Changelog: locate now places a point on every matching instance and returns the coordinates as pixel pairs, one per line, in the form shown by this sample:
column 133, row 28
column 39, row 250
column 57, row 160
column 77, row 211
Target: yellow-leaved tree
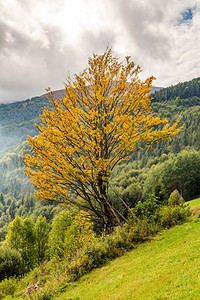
column 104, row 116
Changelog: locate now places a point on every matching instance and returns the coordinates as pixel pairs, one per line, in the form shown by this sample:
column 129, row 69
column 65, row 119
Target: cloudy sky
column 42, row 40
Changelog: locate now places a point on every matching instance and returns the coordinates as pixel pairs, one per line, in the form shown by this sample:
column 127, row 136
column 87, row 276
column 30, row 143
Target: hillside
column 165, row 267
column 145, row 183
column 134, row 179
column 17, row 120
column 182, row 90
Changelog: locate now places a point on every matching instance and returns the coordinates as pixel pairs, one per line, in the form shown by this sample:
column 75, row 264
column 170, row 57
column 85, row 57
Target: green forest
column 155, row 183
column 173, row 164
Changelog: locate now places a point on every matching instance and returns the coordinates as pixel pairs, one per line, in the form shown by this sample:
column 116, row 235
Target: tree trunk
column 109, row 216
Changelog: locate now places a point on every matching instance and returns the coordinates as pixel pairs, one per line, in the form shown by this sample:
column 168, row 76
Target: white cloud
column 40, row 41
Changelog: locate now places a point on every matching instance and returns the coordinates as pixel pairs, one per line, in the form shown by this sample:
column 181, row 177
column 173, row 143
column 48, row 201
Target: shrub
column 175, row 199
column 7, row 287
column 79, row 234
column 69, row 234
column 172, row 215
column 140, row 230
column 95, row 255
column 105, row 248
column 98, row 251
column 147, row 208
column 11, row 263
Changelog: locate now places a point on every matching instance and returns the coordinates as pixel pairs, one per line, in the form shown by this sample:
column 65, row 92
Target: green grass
column 194, row 203
column 168, row 267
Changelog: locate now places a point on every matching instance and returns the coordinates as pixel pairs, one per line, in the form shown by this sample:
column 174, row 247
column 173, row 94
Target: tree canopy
column 104, row 116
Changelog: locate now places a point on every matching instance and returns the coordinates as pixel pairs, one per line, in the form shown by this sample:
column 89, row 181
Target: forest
column 133, row 179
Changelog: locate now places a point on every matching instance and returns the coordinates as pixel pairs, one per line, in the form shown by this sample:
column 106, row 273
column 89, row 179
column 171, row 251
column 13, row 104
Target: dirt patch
column 196, row 211
column 31, row 289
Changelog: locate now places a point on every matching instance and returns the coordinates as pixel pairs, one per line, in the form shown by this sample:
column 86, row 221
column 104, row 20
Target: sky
column 41, row 41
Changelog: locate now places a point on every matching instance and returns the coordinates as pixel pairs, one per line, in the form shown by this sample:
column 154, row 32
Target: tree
column 11, row 263
column 103, row 118
column 57, row 235
column 181, row 172
column 2, row 199
column 42, row 229
column 69, row 233
column 79, row 234
column 29, row 244
column 175, row 198
column 12, row 209
column 21, row 237
column 15, row 234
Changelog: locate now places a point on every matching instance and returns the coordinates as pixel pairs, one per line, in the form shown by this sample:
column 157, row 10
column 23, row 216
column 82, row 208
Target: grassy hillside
column 165, row 268
column 194, row 203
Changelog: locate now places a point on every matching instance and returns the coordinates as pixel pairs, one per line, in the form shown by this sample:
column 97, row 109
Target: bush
column 7, row 287
column 95, row 255
column 103, row 249
column 69, row 234
column 175, row 199
column 11, row 263
column 147, row 208
column 172, row 215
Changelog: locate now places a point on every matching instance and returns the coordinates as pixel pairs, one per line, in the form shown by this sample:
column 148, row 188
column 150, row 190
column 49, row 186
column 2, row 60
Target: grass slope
column 194, row 203
column 168, row 267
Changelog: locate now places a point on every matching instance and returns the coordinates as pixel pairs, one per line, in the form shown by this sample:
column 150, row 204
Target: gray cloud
column 29, row 65
column 142, row 22
column 37, row 48
column 97, row 42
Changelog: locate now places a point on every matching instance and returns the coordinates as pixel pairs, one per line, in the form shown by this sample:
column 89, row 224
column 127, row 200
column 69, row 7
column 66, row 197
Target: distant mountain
column 155, row 89
column 17, row 120
column 57, row 94
column 24, row 113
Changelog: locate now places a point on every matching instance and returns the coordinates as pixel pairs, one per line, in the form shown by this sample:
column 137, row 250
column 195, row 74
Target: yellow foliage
column 103, row 118
column 80, row 232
